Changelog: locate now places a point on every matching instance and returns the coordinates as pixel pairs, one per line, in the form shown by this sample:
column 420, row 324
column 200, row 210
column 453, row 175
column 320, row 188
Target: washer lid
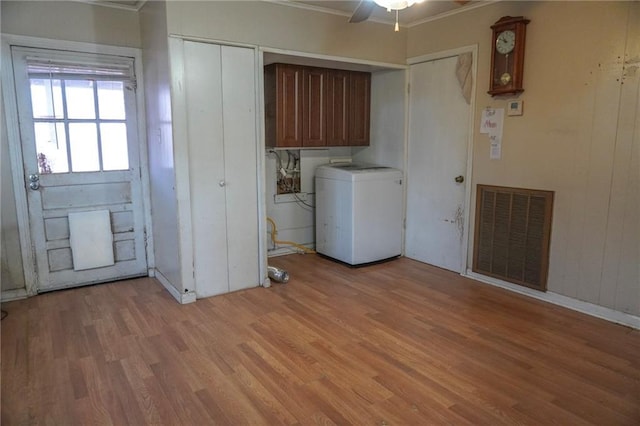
column 353, row 171
column 357, row 167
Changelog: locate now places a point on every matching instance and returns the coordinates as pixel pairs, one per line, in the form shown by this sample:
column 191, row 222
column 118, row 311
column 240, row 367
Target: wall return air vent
column 512, row 234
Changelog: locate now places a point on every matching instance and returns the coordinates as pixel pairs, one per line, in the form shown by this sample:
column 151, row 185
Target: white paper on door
column 91, row 239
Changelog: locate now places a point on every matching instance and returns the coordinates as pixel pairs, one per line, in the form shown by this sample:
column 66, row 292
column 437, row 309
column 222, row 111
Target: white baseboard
column 564, row 301
column 266, row 283
column 182, row 298
column 17, row 294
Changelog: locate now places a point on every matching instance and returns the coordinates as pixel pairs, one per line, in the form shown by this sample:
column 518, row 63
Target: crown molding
column 114, row 5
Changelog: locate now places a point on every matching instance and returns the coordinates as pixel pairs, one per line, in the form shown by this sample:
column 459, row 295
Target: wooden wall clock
column 507, row 55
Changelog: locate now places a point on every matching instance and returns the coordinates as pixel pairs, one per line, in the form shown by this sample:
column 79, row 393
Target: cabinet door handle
column 459, row 179
column 222, row 183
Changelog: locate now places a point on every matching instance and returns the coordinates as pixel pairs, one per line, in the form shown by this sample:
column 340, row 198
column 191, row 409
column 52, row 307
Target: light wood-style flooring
column 395, row 343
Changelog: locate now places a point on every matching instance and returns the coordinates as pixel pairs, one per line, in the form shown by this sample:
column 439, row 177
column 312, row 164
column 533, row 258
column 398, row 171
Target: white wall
column 576, row 136
column 388, row 102
column 160, row 142
column 12, row 275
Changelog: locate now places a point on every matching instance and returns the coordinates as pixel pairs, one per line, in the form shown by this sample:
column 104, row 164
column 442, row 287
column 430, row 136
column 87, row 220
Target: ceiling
column 416, row 14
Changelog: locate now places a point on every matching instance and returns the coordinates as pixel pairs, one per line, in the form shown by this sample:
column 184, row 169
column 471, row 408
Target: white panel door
column 79, row 140
column 221, row 124
column 437, row 155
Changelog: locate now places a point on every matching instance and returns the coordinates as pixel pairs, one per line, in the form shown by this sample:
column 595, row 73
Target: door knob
column 222, row 183
column 459, row 179
column 34, row 181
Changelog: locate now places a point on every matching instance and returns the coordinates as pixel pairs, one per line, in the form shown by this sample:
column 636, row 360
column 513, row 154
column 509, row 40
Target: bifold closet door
column 241, row 166
column 221, row 124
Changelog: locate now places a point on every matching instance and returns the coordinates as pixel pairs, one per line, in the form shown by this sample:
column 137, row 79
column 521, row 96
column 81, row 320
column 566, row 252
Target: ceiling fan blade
column 363, row 11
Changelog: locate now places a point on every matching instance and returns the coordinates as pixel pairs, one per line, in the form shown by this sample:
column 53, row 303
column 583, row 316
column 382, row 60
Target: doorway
column 78, row 138
column 437, row 166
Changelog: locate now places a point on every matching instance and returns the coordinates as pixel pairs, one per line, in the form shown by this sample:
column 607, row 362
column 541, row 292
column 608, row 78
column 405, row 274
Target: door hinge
column 408, row 88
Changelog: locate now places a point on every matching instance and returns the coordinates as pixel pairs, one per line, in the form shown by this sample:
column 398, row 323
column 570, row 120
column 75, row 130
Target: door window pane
column 51, row 148
column 46, row 98
column 111, row 100
column 83, row 141
column 80, row 101
column 115, row 155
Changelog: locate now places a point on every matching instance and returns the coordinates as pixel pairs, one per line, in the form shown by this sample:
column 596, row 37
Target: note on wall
column 495, row 147
column 491, row 124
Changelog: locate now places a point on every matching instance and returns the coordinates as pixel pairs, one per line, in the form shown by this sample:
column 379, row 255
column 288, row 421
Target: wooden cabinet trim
column 315, row 107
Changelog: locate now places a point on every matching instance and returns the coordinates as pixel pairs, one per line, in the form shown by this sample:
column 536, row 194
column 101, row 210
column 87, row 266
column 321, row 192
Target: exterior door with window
column 79, row 139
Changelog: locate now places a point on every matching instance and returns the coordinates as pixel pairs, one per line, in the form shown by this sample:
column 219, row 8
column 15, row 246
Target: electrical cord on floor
column 4, row 315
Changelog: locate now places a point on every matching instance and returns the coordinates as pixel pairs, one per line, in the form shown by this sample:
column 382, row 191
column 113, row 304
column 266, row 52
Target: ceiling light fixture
column 396, row 5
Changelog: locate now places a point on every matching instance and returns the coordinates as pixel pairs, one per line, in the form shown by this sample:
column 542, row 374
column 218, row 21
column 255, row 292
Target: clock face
column 505, row 42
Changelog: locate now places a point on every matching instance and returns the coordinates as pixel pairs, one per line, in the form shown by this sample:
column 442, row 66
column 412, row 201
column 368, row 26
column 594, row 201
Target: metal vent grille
column 512, row 233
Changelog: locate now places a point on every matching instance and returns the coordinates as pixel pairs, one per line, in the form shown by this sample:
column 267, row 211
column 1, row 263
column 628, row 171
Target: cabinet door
column 359, row 108
column 314, row 95
column 337, row 108
column 289, row 105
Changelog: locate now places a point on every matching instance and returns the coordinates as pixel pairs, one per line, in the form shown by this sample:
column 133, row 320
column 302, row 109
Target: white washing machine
column 358, row 212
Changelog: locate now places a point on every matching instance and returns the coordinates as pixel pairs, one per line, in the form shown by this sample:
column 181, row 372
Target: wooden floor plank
column 394, row 343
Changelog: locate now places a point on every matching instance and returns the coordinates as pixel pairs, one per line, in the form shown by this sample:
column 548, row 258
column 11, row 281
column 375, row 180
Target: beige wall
column 283, row 27
column 575, row 137
column 73, row 21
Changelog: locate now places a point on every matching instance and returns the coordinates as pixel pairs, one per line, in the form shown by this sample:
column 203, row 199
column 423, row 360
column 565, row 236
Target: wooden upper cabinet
column 314, row 95
column 359, row 108
column 283, row 105
column 338, row 108
column 314, row 107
